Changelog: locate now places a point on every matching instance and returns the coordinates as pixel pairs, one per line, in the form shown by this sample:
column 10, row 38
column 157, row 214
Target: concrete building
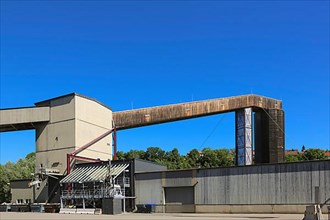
column 21, row 193
column 74, row 120
column 63, row 124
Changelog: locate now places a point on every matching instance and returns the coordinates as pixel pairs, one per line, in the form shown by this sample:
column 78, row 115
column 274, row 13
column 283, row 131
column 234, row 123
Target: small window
column 19, row 201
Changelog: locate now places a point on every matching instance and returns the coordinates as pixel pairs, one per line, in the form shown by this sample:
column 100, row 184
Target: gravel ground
column 153, row 216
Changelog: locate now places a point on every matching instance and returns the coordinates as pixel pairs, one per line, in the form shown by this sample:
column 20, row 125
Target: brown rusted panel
column 269, row 136
column 168, row 113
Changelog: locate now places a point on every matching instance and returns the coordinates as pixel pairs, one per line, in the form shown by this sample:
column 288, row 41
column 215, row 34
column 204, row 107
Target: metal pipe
column 114, row 136
column 68, row 164
column 68, row 161
column 74, row 153
column 124, row 200
column 92, row 142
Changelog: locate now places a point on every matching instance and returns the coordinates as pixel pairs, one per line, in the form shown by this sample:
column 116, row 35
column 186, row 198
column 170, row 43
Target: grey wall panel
column 147, row 166
column 148, row 188
column 290, row 183
column 176, row 179
column 325, row 178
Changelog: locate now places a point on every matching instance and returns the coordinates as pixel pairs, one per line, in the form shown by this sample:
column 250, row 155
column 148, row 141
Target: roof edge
column 73, row 94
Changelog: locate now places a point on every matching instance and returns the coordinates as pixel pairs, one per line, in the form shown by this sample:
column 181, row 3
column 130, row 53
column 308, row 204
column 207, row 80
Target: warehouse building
column 269, row 188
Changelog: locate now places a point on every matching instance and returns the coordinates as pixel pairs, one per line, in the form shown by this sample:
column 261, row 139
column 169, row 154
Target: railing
column 89, row 193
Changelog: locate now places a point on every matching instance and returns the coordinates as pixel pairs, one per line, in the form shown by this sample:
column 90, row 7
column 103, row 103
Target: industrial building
column 76, row 162
column 267, row 188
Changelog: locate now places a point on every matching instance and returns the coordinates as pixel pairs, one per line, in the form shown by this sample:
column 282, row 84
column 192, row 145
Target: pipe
column 114, row 143
column 74, row 153
column 92, row 142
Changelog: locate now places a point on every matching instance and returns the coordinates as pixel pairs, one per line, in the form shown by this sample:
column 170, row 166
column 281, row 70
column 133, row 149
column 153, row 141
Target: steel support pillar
column 244, row 137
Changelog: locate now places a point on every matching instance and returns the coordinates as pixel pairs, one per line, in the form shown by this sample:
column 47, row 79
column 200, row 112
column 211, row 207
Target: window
column 19, row 201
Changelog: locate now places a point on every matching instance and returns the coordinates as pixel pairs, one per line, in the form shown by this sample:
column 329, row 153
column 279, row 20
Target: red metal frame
column 114, row 136
column 74, row 153
column 70, row 156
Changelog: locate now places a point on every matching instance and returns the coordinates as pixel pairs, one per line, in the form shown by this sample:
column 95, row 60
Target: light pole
column 124, row 199
column 83, row 194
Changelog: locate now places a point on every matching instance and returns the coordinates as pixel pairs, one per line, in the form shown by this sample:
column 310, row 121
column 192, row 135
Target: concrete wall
column 20, row 191
column 22, row 118
column 57, row 137
column 74, row 121
column 93, row 120
column 24, row 115
column 258, row 188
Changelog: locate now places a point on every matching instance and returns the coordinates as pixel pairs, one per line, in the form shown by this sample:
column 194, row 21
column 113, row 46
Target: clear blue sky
column 133, row 54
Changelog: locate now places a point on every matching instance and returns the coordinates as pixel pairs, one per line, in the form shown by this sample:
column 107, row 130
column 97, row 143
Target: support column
column 269, row 136
column 244, row 137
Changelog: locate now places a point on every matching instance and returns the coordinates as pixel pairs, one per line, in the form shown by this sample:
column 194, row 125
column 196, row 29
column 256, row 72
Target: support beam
column 243, row 137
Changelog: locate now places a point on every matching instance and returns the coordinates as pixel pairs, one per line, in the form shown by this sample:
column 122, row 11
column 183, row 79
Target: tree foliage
column 313, row 154
column 306, row 155
column 174, row 160
column 22, row 169
column 293, row 158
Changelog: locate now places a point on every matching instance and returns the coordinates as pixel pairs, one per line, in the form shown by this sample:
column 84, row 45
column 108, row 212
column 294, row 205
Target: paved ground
column 154, row 216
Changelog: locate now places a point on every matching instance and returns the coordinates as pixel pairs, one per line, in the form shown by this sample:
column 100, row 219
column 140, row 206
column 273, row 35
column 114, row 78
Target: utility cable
column 275, row 122
column 285, row 135
column 213, row 130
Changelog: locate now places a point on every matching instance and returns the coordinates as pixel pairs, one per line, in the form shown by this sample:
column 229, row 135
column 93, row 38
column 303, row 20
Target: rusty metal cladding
column 276, row 135
column 168, row 113
column 269, row 136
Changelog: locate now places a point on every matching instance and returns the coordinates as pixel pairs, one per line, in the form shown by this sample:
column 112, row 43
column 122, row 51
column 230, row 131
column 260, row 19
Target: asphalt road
column 153, row 216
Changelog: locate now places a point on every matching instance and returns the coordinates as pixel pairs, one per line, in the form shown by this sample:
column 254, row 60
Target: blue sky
column 133, row 54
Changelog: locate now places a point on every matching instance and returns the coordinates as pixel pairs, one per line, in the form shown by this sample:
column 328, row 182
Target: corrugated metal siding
column 176, row 179
column 267, row 184
column 264, row 184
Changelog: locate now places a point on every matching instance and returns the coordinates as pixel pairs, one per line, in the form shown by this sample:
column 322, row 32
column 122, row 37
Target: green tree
column 120, row 155
column 132, row 154
column 216, row 158
column 4, row 184
column 313, row 154
column 293, row 158
column 22, row 169
column 194, row 158
column 173, row 160
column 154, row 154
